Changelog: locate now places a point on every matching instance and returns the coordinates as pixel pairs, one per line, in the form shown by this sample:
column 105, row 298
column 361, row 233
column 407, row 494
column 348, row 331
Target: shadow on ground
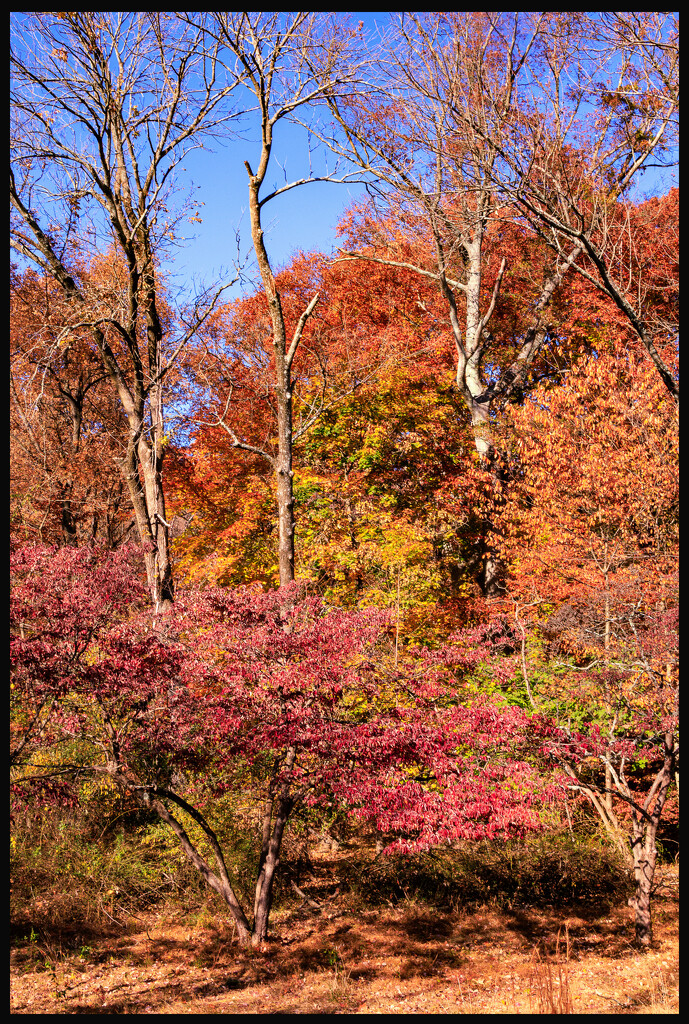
column 328, row 962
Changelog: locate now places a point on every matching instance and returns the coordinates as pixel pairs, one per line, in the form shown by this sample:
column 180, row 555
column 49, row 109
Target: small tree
column 289, row 62
column 248, row 680
column 639, row 754
column 592, row 536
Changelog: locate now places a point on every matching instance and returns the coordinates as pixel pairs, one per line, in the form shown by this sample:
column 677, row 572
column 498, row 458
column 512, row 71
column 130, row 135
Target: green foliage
column 107, row 860
column 237, row 832
column 67, row 869
column 376, row 501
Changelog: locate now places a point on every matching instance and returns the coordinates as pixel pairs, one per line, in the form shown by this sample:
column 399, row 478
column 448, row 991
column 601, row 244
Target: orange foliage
column 596, row 509
column 66, row 429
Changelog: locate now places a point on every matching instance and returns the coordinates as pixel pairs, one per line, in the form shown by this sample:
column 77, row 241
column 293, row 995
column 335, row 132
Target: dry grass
column 550, row 981
column 405, row 959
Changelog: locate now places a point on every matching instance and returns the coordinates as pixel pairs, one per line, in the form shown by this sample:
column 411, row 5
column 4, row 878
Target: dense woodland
column 388, row 544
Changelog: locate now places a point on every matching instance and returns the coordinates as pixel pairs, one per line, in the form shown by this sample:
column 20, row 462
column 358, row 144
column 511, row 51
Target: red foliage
column 241, row 676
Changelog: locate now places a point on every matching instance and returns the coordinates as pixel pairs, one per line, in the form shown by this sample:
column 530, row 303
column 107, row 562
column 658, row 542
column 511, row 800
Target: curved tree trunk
column 277, row 811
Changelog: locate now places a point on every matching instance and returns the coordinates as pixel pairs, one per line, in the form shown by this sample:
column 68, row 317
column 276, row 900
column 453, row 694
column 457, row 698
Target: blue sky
column 305, row 218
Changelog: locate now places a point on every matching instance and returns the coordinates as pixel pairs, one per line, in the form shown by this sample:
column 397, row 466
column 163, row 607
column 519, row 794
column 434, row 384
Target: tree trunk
column 160, row 575
column 270, row 851
column 220, row 882
column 153, row 458
column 645, row 828
column 69, row 527
column 490, row 565
column 285, row 475
column 644, row 869
column 147, row 498
column 284, row 357
column 470, row 347
column 264, row 886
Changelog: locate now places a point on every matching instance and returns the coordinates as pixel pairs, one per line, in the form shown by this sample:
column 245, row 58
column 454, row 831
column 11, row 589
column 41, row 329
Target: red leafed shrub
column 243, row 677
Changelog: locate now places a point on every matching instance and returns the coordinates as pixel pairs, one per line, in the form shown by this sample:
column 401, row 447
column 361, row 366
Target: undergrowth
column 73, row 870
column 90, row 867
column 550, row 870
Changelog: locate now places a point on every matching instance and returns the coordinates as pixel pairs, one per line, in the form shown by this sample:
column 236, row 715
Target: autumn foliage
column 285, row 705
column 66, row 430
column 279, row 699
column 395, row 532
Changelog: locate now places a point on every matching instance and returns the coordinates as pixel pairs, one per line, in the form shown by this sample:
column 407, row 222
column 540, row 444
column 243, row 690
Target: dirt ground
column 405, row 959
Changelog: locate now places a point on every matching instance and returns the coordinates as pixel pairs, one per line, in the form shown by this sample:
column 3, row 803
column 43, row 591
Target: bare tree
column 290, row 63
column 417, row 135
column 105, row 105
column 571, row 173
column 459, row 114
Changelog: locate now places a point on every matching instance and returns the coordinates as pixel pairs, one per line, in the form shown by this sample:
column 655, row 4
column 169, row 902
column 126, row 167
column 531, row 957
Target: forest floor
column 407, row 958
